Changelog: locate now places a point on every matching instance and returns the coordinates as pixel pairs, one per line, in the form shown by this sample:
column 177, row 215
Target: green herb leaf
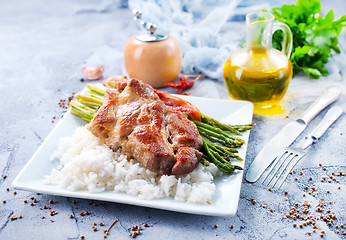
column 314, row 37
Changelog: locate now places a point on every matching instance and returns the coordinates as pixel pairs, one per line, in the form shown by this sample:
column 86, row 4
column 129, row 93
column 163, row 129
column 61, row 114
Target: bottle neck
column 259, row 35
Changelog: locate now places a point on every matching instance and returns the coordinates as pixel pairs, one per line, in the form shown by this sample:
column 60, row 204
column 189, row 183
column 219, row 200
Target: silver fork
column 287, row 160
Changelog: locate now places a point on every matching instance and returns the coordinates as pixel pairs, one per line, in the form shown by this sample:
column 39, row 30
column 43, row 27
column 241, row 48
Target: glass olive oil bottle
column 259, row 73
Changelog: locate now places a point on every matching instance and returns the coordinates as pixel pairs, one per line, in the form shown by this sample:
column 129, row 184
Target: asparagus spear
column 236, row 129
column 224, row 166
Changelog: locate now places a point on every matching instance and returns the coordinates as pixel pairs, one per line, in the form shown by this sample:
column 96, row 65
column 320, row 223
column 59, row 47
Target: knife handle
column 331, row 116
column 330, row 95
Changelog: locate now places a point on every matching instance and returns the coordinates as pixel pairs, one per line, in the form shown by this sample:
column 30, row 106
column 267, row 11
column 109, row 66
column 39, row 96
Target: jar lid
column 150, row 35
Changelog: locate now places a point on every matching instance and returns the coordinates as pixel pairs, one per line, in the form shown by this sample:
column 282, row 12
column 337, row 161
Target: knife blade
column 288, row 134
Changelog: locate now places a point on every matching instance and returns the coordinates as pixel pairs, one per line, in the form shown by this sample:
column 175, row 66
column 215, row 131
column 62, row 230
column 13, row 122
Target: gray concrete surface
column 44, row 45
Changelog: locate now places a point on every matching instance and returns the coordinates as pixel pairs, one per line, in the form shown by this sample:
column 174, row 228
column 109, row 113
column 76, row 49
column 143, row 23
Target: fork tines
column 281, row 167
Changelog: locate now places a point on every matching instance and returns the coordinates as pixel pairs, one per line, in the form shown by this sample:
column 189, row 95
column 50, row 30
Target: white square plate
column 223, row 203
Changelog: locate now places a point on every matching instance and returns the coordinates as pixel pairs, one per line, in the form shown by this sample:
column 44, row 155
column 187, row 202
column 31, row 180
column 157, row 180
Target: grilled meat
column 136, row 121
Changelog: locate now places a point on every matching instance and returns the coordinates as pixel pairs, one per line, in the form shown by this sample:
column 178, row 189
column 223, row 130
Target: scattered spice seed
column 71, row 216
column 5, row 176
column 324, row 168
column 13, row 218
column 145, row 225
column 15, row 193
column 253, row 201
column 269, row 189
column 50, row 201
column 52, row 212
column 4, row 201
column 74, row 201
column 232, row 226
column 301, row 173
column 134, row 234
column 101, row 224
column 134, row 228
column 7, row 189
column 82, row 237
column 42, row 217
column 216, row 226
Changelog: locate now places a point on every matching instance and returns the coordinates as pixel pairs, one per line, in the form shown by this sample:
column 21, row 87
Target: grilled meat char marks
column 139, row 123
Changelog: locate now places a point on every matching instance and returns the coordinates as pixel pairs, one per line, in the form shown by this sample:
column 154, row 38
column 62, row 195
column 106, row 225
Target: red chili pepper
column 181, row 85
column 186, row 85
column 178, row 84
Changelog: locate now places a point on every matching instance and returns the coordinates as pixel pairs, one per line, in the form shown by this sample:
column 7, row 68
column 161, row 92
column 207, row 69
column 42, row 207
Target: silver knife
column 288, row 134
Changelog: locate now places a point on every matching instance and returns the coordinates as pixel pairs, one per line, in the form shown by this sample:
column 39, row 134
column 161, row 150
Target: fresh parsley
column 314, row 37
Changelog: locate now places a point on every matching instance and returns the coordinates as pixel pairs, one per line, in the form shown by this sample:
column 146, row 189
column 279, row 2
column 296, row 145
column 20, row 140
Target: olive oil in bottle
column 259, row 73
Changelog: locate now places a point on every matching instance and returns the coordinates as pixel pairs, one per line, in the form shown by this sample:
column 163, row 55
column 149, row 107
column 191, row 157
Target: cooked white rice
column 88, row 164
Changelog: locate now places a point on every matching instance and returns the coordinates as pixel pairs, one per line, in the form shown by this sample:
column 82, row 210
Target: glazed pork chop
column 136, row 121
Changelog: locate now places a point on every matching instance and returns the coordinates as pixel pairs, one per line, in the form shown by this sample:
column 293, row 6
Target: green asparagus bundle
column 219, row 145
